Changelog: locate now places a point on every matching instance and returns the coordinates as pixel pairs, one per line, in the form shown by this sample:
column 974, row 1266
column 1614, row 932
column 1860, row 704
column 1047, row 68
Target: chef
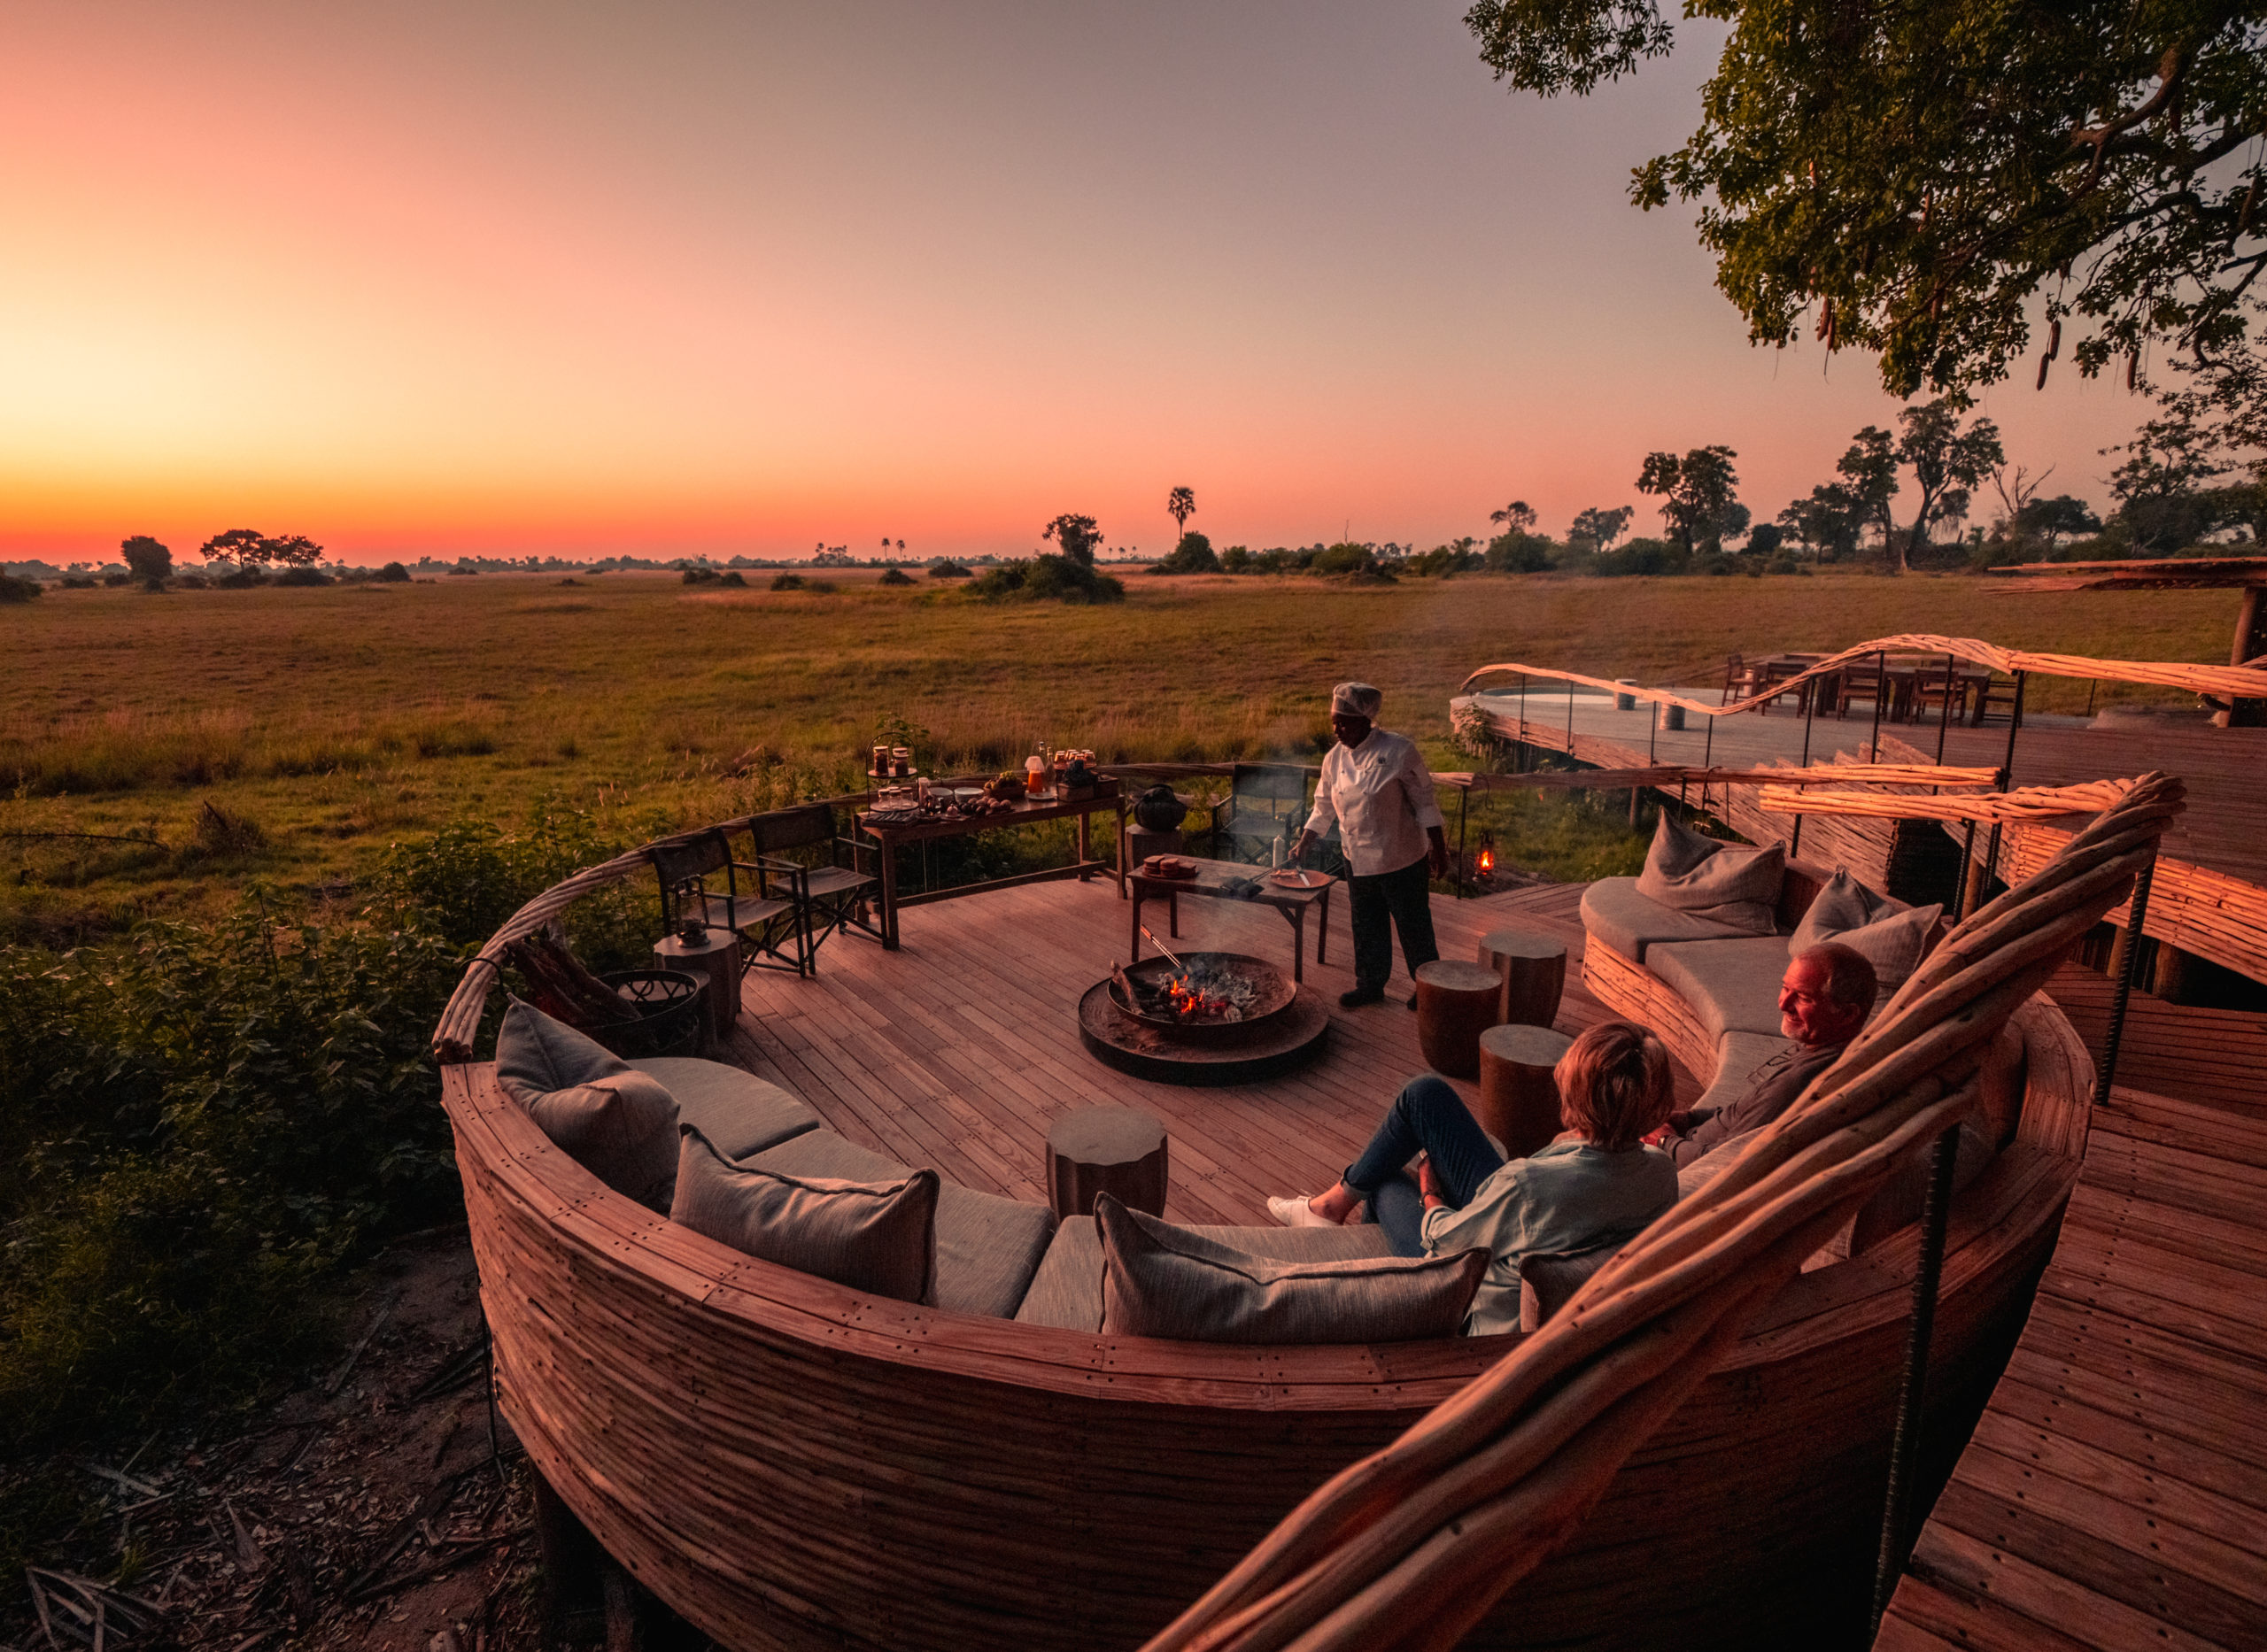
column 1375, row 790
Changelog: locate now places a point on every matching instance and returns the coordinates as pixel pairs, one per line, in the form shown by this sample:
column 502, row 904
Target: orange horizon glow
column 503, row 280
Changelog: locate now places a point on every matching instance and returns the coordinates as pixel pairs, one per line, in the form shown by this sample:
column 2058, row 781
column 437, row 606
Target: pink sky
column 723, row 278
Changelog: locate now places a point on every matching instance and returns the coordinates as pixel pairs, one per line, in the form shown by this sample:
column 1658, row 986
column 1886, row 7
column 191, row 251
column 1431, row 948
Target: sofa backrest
column 1798, row 889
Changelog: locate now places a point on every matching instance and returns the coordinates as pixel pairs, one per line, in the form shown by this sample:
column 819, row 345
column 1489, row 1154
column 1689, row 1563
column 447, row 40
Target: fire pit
column 1213, row 1018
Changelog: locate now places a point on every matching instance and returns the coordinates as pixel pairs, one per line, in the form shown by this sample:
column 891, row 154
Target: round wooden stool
column 1456, row 1003
column 1120, row 1150
column 1519, row 1097
column 716, row 959
column 1533, row 969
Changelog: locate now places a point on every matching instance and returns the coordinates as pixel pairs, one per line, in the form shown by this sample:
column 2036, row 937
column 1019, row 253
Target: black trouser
column 1402, row 899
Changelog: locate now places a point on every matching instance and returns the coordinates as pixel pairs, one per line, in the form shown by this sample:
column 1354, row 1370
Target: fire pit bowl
column 1255, row 990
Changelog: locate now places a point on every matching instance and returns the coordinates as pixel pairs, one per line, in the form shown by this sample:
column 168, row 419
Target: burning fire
column 1194, row 1003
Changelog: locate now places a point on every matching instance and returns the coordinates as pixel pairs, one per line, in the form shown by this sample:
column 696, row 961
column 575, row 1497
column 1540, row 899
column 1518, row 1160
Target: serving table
column 888, row 834
column 1211, row 880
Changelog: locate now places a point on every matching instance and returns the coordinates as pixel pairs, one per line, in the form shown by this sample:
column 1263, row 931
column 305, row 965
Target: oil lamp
column 1483, row 866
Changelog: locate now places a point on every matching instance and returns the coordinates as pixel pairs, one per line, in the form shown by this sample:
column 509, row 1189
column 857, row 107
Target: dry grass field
column 335, row 721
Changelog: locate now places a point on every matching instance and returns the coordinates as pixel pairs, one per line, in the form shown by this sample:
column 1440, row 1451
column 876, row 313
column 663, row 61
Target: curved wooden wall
column 789, row 1463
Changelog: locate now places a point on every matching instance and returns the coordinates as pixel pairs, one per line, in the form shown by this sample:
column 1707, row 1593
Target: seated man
column 1825, row 997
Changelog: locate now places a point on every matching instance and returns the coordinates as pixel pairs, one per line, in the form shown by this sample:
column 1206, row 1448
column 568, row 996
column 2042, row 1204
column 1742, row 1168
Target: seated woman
column 1598, row 1181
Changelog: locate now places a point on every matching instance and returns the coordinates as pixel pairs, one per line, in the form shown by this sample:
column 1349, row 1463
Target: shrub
column 241, row 579
column 115, row 579
column 1518, row 552
column 15, row 589
column 467, row 878
column 892, row 576
column 786, row 581
column 76, row 582
column 949, row 570
column 151, row 585
column 1048, row 579
column 1236, row 559
column 146, row 559
column 191, row 582
column 733, row 577
column 391, row 574
column 700, row 576
column 304, row 576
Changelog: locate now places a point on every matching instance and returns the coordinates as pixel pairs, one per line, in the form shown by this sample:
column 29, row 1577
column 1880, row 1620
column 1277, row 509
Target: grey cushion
column 1738, row 1056
column 1887, row 933
column 988, row 1246
column 1549, row 1279
column 737, row 1112
column 1615, row 913
column 1066, row 1293
column 1730, row 884
column 617, row 1124
column 876, row 1236
column 1159, row 1280
column 1732, row 986
column 535, row 1052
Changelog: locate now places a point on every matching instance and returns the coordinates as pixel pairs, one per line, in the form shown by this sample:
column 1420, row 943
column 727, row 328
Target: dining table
column 892, row 830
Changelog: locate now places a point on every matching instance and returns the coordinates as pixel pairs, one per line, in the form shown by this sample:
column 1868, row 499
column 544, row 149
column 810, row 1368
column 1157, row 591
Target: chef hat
column 1356, row 699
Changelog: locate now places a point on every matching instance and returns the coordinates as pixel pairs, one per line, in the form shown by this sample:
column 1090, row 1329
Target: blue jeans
column 1427, row 1116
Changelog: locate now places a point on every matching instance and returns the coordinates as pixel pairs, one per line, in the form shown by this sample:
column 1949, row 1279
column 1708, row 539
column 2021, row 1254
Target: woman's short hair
column 1614, row 1085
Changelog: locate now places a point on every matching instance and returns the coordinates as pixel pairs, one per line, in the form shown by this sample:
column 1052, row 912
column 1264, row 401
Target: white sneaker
column 1296, row 1212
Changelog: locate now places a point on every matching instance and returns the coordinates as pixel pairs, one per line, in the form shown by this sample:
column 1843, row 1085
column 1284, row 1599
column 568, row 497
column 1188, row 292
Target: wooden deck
column 959, row 1050
column 2115, row 1495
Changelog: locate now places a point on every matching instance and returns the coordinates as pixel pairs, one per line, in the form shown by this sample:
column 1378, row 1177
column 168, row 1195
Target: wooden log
column 1533, row 969
column 1116, row 1150
column 1518, row 1090
column 1456, row 1002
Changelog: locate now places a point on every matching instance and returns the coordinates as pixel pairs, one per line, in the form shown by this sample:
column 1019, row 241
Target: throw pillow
column 1727, row 884
column 876, row 1237
column 1159, row 1280
column 1889, row 934
column 538, row 1051
column 616, row 1123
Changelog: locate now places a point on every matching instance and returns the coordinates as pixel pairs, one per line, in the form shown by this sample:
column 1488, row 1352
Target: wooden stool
column 1456, row 1003
column 1119, row 1150
column 1519, row 1097
column 715, row 958
column 1533, row 969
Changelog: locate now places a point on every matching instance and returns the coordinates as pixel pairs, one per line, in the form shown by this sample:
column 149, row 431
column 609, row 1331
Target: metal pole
column 1708, row 761
column 2015, row 722
column 2128, row 960
column 1912, row 1397
column 1810, row 712
column 1881, row 687
column 1966, row 871
column 1570, row 717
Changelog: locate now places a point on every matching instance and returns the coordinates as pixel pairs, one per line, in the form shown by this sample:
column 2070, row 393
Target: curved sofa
column 789, row 1463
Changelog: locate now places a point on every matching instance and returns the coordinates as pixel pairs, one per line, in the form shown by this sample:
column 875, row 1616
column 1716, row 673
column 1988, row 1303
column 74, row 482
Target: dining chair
column 768, row 918
column 831, row 895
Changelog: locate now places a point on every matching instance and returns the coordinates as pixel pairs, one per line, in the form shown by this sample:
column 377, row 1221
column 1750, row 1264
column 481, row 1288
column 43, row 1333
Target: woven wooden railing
column 1411, row 1547
column 2225, row 682
column 2024, row 803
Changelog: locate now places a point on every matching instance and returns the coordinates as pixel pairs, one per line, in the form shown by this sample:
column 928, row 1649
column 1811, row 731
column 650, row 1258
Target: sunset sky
column 738, row 278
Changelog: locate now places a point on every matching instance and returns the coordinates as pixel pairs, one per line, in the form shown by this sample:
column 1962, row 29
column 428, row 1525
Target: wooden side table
column 1533, row 969
column 1456, row 1003
column 1117, row 1150
column 717, row 960
column 1519, row 1091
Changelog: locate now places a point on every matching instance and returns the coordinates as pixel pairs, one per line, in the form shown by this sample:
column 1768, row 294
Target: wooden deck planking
column 2114, row 1493
column 960, row 1049
column 2216, row 1055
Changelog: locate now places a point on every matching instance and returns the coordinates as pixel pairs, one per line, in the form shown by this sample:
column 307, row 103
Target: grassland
column 336, row 721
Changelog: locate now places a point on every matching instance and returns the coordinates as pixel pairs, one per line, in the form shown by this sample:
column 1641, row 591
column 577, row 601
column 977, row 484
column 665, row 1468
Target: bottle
column 1278, row 852
column 1035, row 773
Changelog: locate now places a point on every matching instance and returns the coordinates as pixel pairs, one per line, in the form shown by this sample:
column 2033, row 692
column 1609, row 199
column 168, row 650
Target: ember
column 1213, row 989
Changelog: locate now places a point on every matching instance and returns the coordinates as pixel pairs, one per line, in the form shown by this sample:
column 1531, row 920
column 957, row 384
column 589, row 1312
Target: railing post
column 2129, row 960
column 1881, row 687
column 1463, row 867
column 1810, row 713
column 1944, row 719
column 1911, row 1396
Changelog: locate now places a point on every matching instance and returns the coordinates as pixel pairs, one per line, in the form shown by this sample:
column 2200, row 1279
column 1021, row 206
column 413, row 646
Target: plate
column 1294, row 878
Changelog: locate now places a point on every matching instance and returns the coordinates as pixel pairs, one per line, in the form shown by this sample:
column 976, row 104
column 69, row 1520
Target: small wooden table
column 929, row 829
column 716, row 959
column 1211, row 878
column 1519, row 1091
column 1533, row 969
column 1116, row 1150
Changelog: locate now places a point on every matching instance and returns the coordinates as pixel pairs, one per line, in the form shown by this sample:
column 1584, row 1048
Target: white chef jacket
column 1379, row 795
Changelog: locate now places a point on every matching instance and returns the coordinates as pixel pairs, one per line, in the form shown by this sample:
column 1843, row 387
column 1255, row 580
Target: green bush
column 391, row 574
column 15, row 589
column 1046, row 579
column 894, row 578
column 786, row 581
column 1192, row 555
column 304, row 576
column 700, row 576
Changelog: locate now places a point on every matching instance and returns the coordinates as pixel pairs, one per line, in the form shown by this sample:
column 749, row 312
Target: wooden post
column 1810, row 712
column 1881, row 687
column 2250, row 642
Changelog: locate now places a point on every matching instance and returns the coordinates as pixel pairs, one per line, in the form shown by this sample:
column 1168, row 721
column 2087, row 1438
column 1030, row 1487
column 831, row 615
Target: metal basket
column 664, row 1016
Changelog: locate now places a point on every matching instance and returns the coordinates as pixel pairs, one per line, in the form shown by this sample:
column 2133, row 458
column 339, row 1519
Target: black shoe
column 1361, row 995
